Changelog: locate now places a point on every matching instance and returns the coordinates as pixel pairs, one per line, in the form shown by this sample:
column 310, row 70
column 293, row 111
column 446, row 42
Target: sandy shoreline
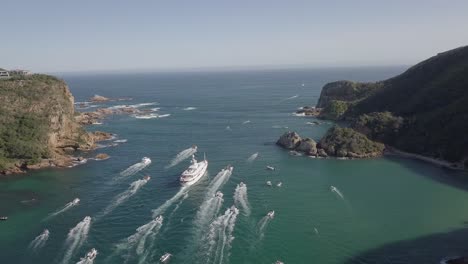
column 443, row 163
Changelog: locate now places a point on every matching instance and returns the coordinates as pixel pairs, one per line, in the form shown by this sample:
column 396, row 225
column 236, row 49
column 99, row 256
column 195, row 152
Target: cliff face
column 37, row 123
column 423, row 110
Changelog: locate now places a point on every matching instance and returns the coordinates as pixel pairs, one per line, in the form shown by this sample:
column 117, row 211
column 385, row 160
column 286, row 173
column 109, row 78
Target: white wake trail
column 161, row 209
column 137, row 244
column 253, row 157
column 220, row 236
column 183, row 155
column 76, row 238
column 69, row 205
column 86, row 259
column 240, row 198
column 119, row 199
column 290, row 98
column 39, row 241
column 261, row 226
column 134, row 168
column 335, row 190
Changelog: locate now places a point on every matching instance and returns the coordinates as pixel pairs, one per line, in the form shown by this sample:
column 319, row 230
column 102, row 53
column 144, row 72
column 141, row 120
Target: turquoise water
column 392, row 210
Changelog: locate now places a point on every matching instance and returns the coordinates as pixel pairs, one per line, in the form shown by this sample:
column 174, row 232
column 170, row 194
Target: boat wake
column 139, row 244
column 219, row 237
column 39, row 241
column 290, row 98
column 189, row 108
column 76, row 238
column 262, row 225
column 240, row 198
column 120, row 141
column 135, row 168
column 335, row 190
column 246, row 122
column 69, row 205
column 119, row 199
column 161, row 209
column 183, row 155
column 252, row 157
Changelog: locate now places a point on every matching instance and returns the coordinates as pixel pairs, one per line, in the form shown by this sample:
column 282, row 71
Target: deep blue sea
column 386, row 210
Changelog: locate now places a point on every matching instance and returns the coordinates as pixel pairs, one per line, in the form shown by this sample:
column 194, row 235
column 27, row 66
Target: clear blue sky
column 164, row 35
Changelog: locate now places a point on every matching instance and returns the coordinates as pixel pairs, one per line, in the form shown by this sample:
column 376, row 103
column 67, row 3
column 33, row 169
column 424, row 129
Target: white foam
column 246, row 122
column 335, row 190
column 189, row 108
column 120, row 141
column 76, row 238
column 241, row 200
column 86, row 260
column 161, row 209
column 299, row 114
column 292, row 97
column 252, row 157
column 134, row 168
column 63, row 209
column 181, row 156
column 261, row 226
column 39, row 241
column 124, row 196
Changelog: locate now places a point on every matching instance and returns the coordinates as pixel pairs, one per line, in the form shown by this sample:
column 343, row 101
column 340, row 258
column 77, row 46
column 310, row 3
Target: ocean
column 384, row 210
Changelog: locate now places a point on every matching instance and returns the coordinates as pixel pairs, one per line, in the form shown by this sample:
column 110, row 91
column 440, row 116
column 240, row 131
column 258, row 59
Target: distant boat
column 279, row 184
column 270, row 168
column 164, row 258
column 3, row 218
column 271, row 214
column 268, row 183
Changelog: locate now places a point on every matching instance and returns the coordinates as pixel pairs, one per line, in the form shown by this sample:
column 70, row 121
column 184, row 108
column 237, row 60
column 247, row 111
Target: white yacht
column 146, row 160
column 219, row 194
column 270, row 168
column 164, row 258
column 194, row 172
column 268, row 183
column 91, row 255
column 271, row 214
column 76, row 201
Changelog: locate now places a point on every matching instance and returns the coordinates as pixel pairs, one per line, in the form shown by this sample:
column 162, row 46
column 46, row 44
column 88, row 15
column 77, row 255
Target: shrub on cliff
column 346, row 142
column 380, row 126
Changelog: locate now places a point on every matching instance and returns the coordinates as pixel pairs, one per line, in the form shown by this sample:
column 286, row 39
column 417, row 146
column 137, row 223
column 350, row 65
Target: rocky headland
column 38, row 125
column 421, row 113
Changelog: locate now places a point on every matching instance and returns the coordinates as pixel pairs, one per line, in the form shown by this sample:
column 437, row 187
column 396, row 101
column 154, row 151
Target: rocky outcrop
column 308, row 146
column 99, row 98
column 289, row 140
column 37, row 124
column 338, row 142
column 309, row 111
column 102, row 156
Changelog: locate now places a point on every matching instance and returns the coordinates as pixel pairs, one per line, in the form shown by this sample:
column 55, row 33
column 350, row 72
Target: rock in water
column 102, row 156
column 99, row 98
column 289, row 140
column 308, row 146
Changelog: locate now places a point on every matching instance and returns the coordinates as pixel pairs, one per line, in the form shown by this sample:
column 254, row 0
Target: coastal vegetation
column 423, row 110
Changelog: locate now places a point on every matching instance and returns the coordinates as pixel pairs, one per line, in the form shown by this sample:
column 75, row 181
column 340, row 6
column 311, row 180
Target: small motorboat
column 3, row 218
column 234, row 210
column 76, row 201
column 147, row 178
column 164, row 258
column 279, row 184
column 333, row 188
column 91, row 254
column 219, row 194
column 269, row 183
column 159, row 219
column 279, row 262
column 194, row 147
column 229, row 168
column 270, row 168
column 241, row 184
column 146, row 160
column 271, row 214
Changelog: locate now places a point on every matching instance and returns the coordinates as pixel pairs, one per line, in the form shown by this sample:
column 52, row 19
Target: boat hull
column 199, row 175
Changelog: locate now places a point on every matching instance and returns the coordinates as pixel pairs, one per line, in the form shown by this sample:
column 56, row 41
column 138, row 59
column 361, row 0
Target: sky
column 106, row 35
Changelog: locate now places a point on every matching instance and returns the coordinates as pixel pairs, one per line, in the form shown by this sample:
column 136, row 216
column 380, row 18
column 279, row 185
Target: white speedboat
column 241, row 184
column 76, row 201
column 234, row 210
column 159, row 219
column 270, row 168
column 455, row 260
column 229, row 168
column 268, row 183
column 194, row 172
column 146, row 160
column 279, row 184
column 194, row 147
column 91, row 255
column 271, row 214
column 333, row 188
column 87, row 219
column 46, row 232
column 219, row 194
column 164, row 258
column 279, row 262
